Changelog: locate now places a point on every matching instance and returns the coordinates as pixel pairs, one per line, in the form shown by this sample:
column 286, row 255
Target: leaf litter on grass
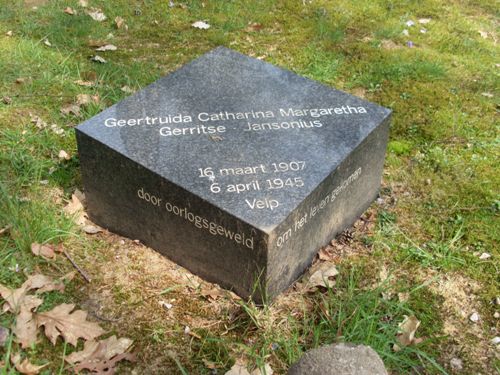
column 62, row 321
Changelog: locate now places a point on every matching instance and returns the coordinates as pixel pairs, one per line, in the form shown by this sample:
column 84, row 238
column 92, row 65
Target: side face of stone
column 334, row 206
column 130, row 200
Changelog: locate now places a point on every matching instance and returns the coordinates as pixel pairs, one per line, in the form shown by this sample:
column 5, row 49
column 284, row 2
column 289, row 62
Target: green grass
column 440, row 196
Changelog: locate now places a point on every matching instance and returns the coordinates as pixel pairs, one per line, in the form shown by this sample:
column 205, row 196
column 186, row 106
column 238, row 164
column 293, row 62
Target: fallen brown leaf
column 483, row 34
column 267, row 370
column 45, row 251
column 101, row 357
column 209, row 364
column 91, row 229
column 201, row 25
column 86, row 99
column 69, row 10
column 327, row 253
column 127, row 90
column 98, row 59
column 37, row 120
column 97, row 15
column 106, row 367
column 211, row 293
column 321, row 276
column 26, row 367
column 26, row 329
column 73, row 206
column 80, row 82
column 238, row 369
column 120, row 22
column 80, row 196
column 14, row 298
column 63, row 155
column 407, row 329
column 4, row 229
column 253, row 27
column 60, row 321
column 100, row 350
column 107, row 47
column 73, row 109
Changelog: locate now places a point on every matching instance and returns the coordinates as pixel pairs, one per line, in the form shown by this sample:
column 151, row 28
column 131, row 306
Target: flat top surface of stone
column 247, row 136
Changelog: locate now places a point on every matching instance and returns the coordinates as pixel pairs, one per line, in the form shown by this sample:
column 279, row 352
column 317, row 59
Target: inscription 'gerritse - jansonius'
column 220, row 122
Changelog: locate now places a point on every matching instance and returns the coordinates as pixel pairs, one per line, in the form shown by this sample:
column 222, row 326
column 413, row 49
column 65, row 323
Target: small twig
column 97, row 316
column 82, row 272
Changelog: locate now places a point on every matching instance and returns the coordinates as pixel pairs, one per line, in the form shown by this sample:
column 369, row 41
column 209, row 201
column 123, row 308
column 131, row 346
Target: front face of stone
column 212, row 164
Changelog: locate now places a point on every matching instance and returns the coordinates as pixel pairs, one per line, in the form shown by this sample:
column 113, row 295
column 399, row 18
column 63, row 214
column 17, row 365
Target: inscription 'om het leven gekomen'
column 296, row 115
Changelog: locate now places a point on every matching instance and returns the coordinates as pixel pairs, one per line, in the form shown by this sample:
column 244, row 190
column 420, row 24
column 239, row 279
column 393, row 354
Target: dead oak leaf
column 60, row 321
column 120, row 22
column 200, row 25
column 237, row 369
column 74, row 205
column 71, row 109
column 45, row 251
column 97, row 15
column 75, row 208
column 98, row 59
column 26, row 367
column 69, row 10
column 91, row 229
column 253, row 27
column 106, row 367
column 101, row 357
column 81, row 82
column 63, row 155
column 127, row 89
column 15, row 297
column 26, row 329
column 321, row 276
column 102, row 350
column 266, row 370
column 407, row 329
column 86, row 99
column 107, row 47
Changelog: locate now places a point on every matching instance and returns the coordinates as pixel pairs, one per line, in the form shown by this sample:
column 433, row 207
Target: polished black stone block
column 234, row 168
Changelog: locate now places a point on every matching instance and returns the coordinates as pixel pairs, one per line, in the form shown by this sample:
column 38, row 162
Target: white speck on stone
column 474, row 317
column 423, row 31
column 406, row 32
column 424, row 21
column 484, row 256
column 495, row 340
column 410, row 23
column 187, row 330
column 456, row 364
column 496, row 315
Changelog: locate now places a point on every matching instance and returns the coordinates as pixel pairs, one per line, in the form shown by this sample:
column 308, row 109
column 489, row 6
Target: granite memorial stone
column 234, row 168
